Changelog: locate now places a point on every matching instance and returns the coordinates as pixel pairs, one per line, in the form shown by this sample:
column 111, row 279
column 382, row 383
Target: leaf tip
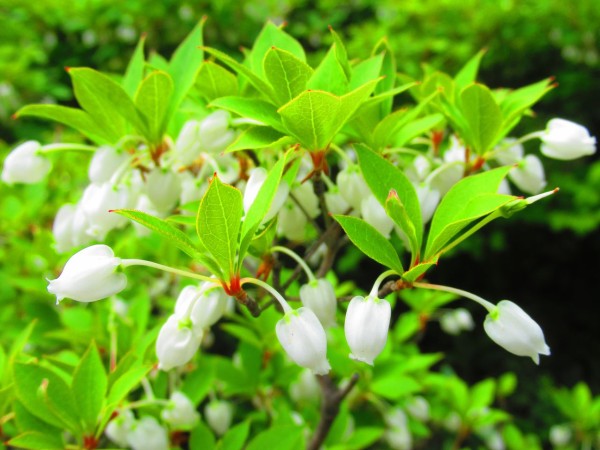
column 68, row 68
column 392, row 194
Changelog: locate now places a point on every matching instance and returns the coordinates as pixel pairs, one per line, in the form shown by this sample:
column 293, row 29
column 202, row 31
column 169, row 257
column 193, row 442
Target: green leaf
column 135, row 69
column 361, row 438
column 516, row 102
column 483, row 116
column 261, row 205
column 71, row 117
column 394, row 385
column 202, row 438
column 468, row 200
column 329, row 75
column 37, row 441
column 370, row 241
column 152, row 100
column 272, row 36
column 397, row 212
column 258, row 137
column 214, row 81
column 281, row 437
column 415, row 272
column 106, row 101
column 235, row 437
column 26, row 421
column 482, row 394
column 416, row 128
column 388, row 70
column 382, row 176
column 315, row 117
column 340, row 52
column 251, row 108
column 184, row 66
column 365, row 71
column 218, row 223
column 468, row 74
column 257, row 82
column 46, row 395
column 89, row 387
column 287, row 74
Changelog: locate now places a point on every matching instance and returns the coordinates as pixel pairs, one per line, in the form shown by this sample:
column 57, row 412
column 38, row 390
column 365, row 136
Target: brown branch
column 330, row 407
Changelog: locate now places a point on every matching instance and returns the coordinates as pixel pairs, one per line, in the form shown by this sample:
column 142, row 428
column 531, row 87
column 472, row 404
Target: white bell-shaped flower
column 177, row 343
column 25, row 164
column 89, row 275
column 69, row 228
column 418, row 169
column 566, row 140
column 292, row 222
column 305, row 195
column 428, row 200
column 456, row 321
column 148, row 434
column 374, row 214
column 97, row 201
column 119, row 427
column 397, row 433
column 529, row 175
column 105, row 162
column 353, row 187
column 418, row 408
column 163, row 187
column 180, row 413
column 188, row 146
column 511, row 328
column 319, row 297
column 303, row 338
column 215, row 134
column 335, row 202
column 305, row 389
column 202, row 304
column 366, row 327
column 218, row 414
column 510, row 152
column 257, row 178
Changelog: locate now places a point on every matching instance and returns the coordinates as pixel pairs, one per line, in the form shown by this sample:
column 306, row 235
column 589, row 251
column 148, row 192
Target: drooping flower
column 69, row 228
column 25, row 164
column 218, row 414
column 567, row 140
column 148, row 434
column 456, row 321
column 105, row 162
column 529, row 175
column 180, row 413
column 513, row 329
column 353, row 187
column 163, row 188
column 303, row 338
column 188, row 147
column 214, row 133
column 177, row 343
column 89, row 275
column 204, row 306
column 319, row 296
column 119, row 427
column 97, row 201
column 366, row 327
column 397, row 433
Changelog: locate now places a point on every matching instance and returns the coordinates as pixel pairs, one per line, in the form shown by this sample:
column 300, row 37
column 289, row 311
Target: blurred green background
column 545, row 258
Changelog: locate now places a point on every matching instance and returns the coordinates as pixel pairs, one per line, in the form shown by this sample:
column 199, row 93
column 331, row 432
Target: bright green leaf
column 202, row 438
column 272, row 36
column 287, row 74
column 214, row 81
column 329, row 76
column 251, row 108
column 37, row 441
column 396, row 210
column 258, row 137
column 468, row 74
column 235, row 437
column 89, row 387
column 152, row 100
column 483, row 117
column 135, row 69
column 282, row 437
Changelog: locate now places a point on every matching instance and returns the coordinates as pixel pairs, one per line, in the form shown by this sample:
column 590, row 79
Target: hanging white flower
column 319, row 296
column 218, row 414
column 163, row 188
column 25, row 164
column 529, row 175
column 105, row 162
column 181, row 413
column 366, row 327
column 148, row 434
column 215, row 134
column 177, row 343
column 566, row 140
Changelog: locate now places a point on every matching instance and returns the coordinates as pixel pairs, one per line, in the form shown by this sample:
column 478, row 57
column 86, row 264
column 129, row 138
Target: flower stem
column 487, row 305
column 284, row 305
column 379, row 280
column 184, row 273
column 297, row 258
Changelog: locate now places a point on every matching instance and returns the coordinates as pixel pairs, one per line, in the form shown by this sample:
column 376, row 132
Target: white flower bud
column 374, row 214
column 397, row 433
column 511, row 328
column 305, row 195
column 255, row 182
column 418, row 408
column 180, row 413
column 188, row 146
column 419, row 169
column 456, row 321
column 529, row 175
column 353, row 187
column 89, row 275
column 366, row 327
column 319, row 297
column 218, row 414
column 292, row 222
column 148, row 434
column 510, row 152
column 97, row 201
column 25, row 164
column 306, row 388
column 560, row 435
column 104, row 163
column 203, row 305
column 303, row 338
column 335, row 202
column 566, row 140
column 177, row 343
column 452, row 422
column 69, row 228
column 163, row 188
column 215, row 134
column 446, row 176
column 119, row 427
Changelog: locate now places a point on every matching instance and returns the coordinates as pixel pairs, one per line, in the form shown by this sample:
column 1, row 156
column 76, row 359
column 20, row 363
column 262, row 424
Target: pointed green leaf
column 214, row 81
column 315, row 117
column 329, row 75
column 365, row 71
column 257, row 82
column 89, row 387
column 287, row 74
column 370, row 241
column 235, row 437
column 416, row 128
column 517, row 102
column 417, row 271
column 469, row 199
column 26, row 421
column 251, row 108
column 184, row 66
column 483, row 117
column 106, row 101
column 340, row 52
column 281, row 437
column 388, row 70
column 468, row 74
column 152, row 100
column 382, row 176
column 218, row 223
column 71, row 117
column 272, row 36
column 397, row 212
column 135, row 69
column 261, row 205
column 36, row 440
column 258, row 137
